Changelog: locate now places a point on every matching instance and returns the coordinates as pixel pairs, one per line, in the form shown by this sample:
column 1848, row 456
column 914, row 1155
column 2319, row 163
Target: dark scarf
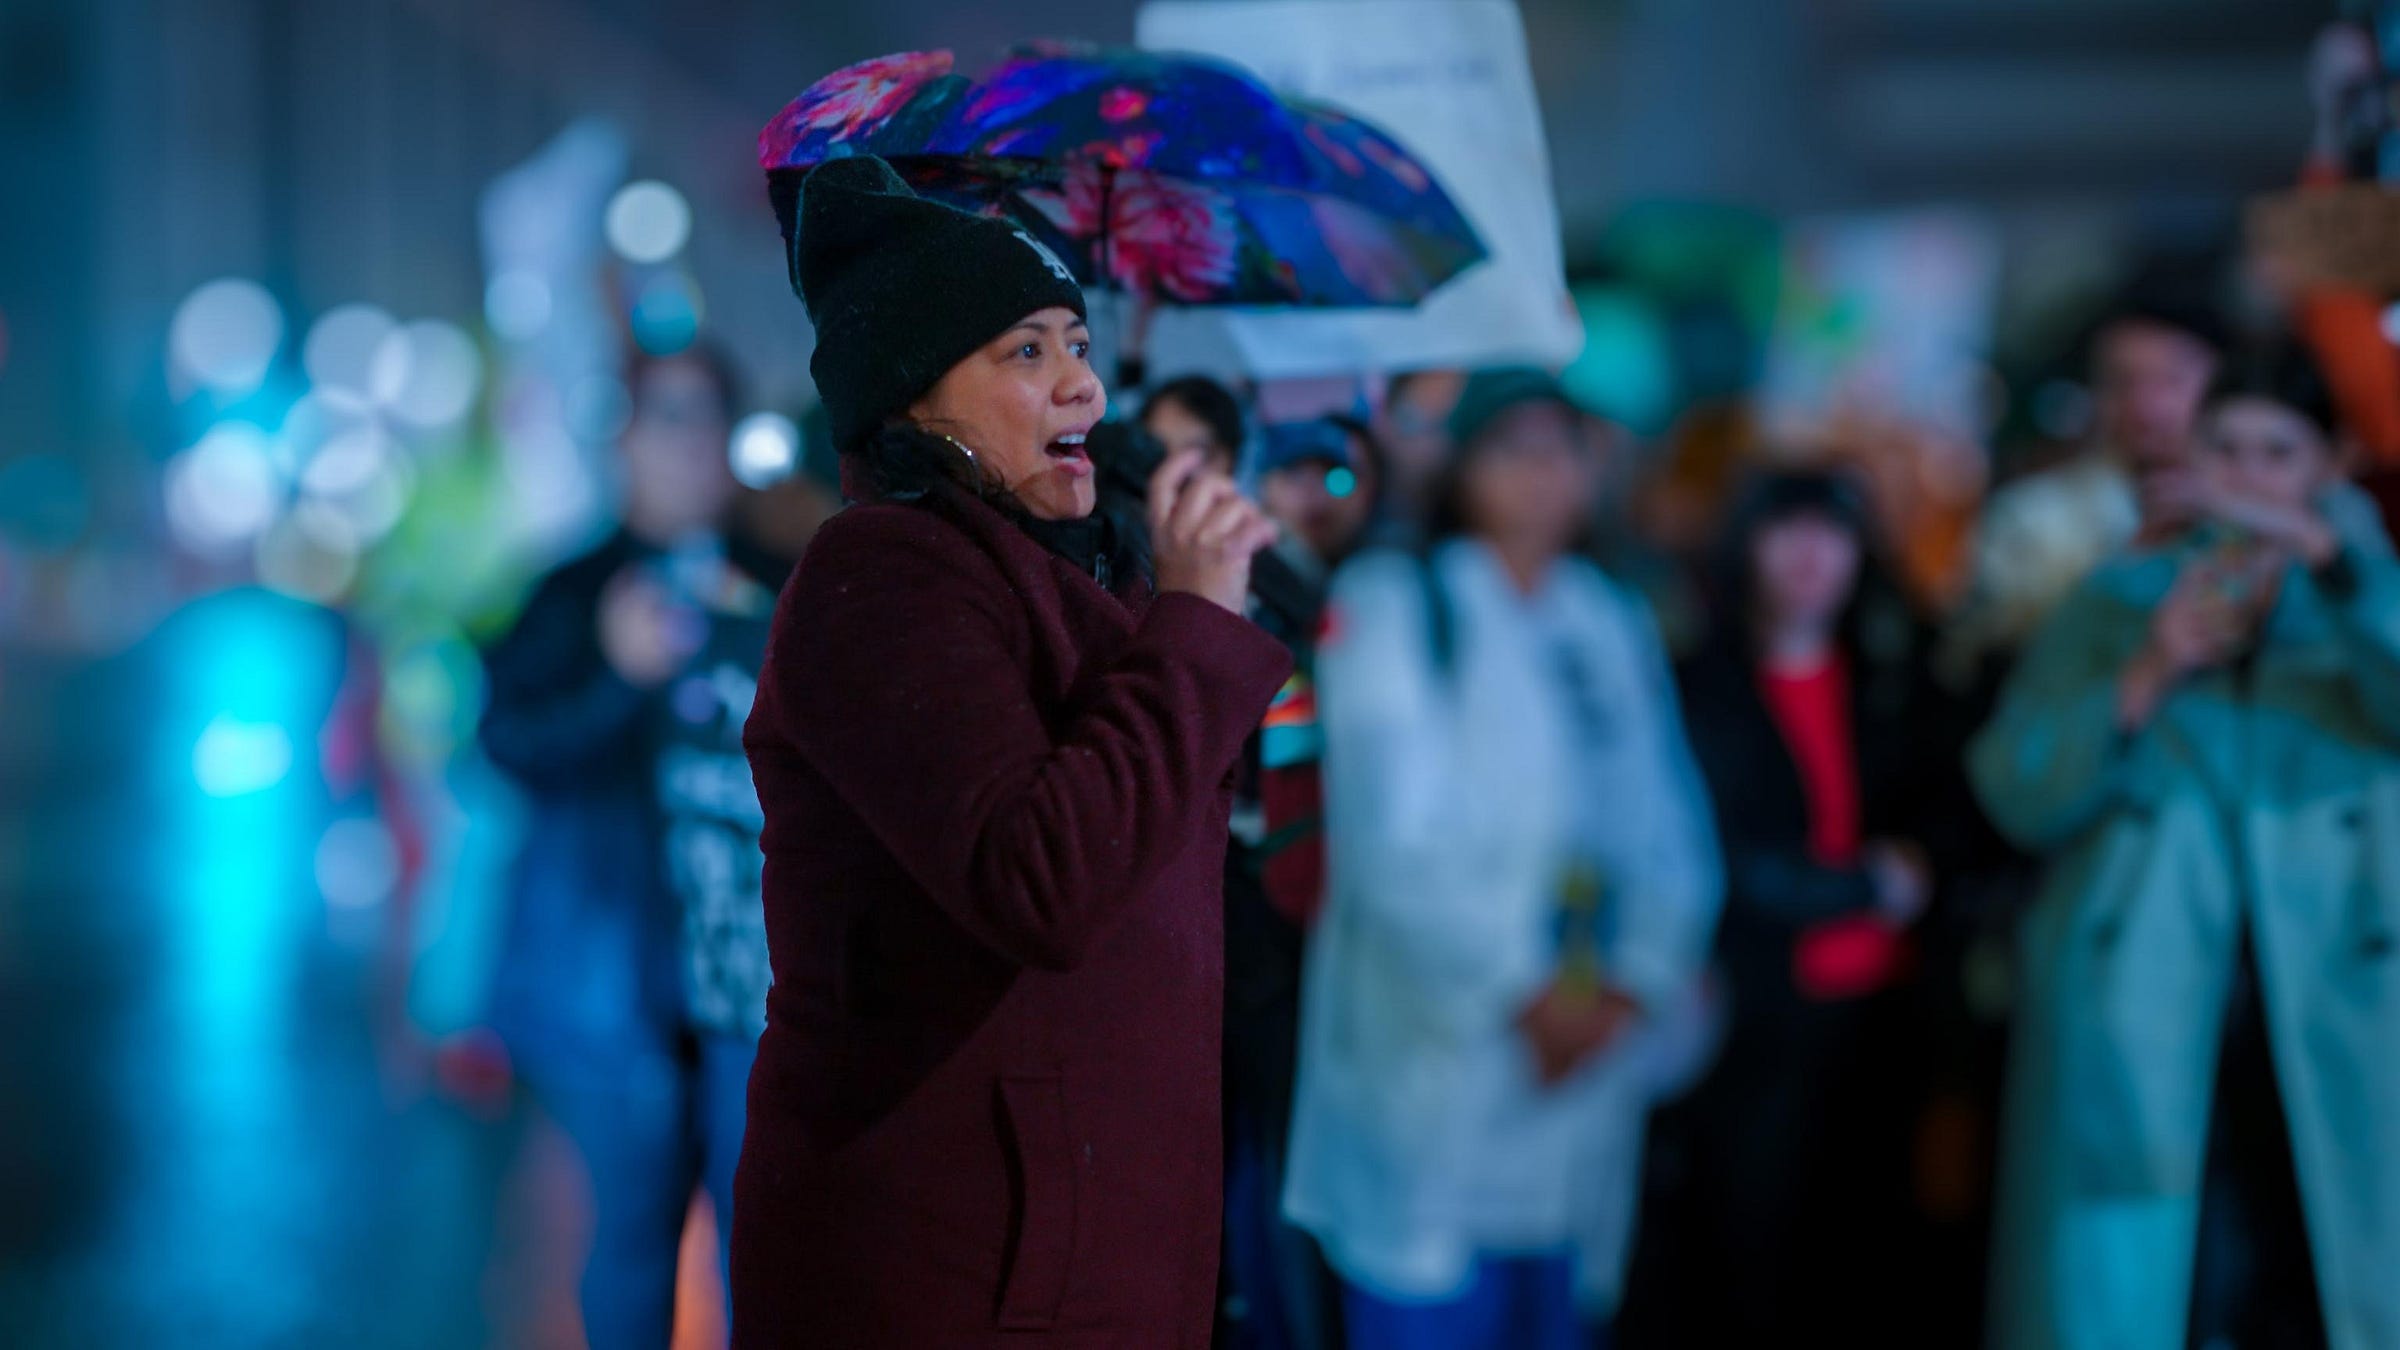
column 905, row 464
column 1093, row 543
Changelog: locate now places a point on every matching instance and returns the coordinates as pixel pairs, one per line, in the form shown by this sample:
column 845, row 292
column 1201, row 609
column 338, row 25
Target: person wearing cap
column 1321, row 480
column 992, row 742
column 1522, row 879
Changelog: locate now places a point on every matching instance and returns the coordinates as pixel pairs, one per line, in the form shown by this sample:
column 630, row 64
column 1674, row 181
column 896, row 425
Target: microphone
column 1128, row 458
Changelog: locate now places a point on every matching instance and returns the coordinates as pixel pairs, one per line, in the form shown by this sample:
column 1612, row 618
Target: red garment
column 2344, row 330
column 986, row 1107
column 1813, row 713
column 1846, row 957
column 1294, row 871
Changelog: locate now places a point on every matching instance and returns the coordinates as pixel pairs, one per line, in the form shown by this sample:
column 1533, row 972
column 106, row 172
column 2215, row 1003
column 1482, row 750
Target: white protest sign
column 1884, row 315
column 1448, row 79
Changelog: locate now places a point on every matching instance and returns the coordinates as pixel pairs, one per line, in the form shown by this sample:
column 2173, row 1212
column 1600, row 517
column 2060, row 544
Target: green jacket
column 2268, row 796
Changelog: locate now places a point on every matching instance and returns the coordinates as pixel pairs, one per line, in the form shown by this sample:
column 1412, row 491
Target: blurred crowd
column 1719, row 892
column 1886, row 919
column 1715, row 883
column 1779, row 981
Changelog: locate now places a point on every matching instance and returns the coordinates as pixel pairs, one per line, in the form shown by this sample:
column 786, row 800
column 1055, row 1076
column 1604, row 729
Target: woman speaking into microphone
column 992, row 741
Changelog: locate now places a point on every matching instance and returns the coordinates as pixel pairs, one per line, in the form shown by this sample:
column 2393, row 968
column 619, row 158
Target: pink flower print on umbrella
column 1367, row 253
column 849, row 104
column 1389, row 158
column 1166, row 239
column 1126, row 152
column 1334, row 150
column 1123, row 105
column 1216, row 191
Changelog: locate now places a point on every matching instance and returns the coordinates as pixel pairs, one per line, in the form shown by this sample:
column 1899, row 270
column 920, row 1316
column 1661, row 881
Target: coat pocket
column 1043, row 1181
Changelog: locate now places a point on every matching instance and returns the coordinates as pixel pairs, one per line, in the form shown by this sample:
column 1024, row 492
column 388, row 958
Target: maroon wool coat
column 985, row 1110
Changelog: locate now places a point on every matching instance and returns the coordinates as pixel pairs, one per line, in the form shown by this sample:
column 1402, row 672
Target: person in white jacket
column 1522, row 875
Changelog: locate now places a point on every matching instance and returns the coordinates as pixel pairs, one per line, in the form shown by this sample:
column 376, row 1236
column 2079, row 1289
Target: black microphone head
column 1127, row 457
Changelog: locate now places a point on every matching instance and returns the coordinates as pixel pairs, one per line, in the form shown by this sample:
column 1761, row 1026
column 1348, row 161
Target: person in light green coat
column 2205, row 743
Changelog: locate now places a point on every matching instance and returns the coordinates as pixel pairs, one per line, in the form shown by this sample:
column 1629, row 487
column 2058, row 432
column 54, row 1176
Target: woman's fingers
column 1230, row 518
column 1166, row 485
column 1204, row 534
column 1262, row 535
column 1201, row 496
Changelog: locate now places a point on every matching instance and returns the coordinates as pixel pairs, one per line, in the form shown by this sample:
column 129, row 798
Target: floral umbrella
column 1173, row 178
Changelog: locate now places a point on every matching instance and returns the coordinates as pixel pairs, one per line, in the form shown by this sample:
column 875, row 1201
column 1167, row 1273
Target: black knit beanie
column 901, row 288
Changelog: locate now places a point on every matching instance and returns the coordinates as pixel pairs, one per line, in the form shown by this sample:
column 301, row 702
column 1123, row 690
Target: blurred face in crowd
column 2257, row 449
column 1806, row 565
column 1530, row 480
column 678, row 473
column 1178, row 428
column 1024, row 403
column 1416, row 421
column 1323, row 504
column 2147, row 384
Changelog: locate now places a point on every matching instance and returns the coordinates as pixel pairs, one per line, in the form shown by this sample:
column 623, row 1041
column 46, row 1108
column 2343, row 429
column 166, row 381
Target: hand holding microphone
column 1203, row 532
column 1131, row 463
